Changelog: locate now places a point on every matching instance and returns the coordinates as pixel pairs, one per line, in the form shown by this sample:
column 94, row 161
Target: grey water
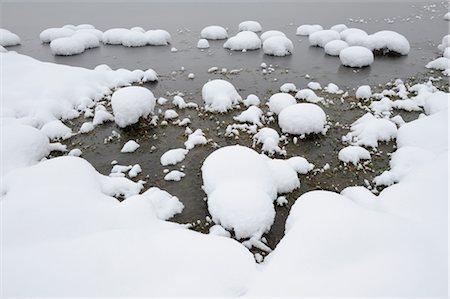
column 421, row 23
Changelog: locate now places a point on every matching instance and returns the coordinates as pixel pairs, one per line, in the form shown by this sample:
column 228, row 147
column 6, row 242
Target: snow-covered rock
column 308, row 29
column 278, row 46
column 67, row 46
column 270, row 33
column 334, row 47
column 441, row 63
column 356, row 56
column 7, row 38
column 214, row 33
column 353, row 154
column 158, row 37
column 339, row 27
column 363, row 92
column 195, row 138
column 323, row 37
column 174, row 175
column 301, row 119
column 51, row 34
column 279, row 101
column 288, row 87
column 269, row 138
column 131, row 103
column 252, row 115
column 220, row 95
column 173, row 156
column 130, row 147
column 308, row 95
column 244, row 40
column 203, row 44
column 250, row 26
column 251, row 100
column 388, row 41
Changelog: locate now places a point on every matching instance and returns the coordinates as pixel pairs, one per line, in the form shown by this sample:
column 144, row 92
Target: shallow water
column 27, row 20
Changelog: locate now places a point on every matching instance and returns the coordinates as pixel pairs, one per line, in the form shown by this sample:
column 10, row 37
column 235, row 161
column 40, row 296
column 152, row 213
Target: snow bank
column 220, row 95
column 388, row 41
column 335, row 47
column 244, row 40
column 7, row 38
column 271, row 33
column 323, row 37
column 131, row 103
column 356, row 56
column 278, row 46
column 279, row 101
column 304, row 118
column 214, row 33
column 308, row 29
column 250, row 26
column 353, row 154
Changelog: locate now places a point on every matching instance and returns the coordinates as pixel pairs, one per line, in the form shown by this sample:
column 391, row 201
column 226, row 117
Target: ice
column 173, row 156
column 334, row 47
column 195, row 138
column 278, row 46
column 250, row 26
column 131, row 103
column 214, row 33
column 388, row 41
column 368, row 130
column 308, row 95
column 220, row 95
column 356, row 56
column 271, row 33
column 363, row 92
column 323, row 37
column 251, row 100
column 174, row 175
column 203, row 44
column 353, row 154
column 288, row 87
column 67, row 46
column 308, row 29
column 7, row 38
column 130, row 147
column 244, row 40
column 304, row 118
column 252, row 115
column 280, row 101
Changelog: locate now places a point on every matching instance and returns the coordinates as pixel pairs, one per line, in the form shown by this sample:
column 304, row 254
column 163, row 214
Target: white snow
column 76, row 152
column 174, row 175
column 441, row 63
column 252, row 115
column 56, row 129
column 308, row 29
column 173, row 156
column 203, row 44
column 134, row 171
column 131, row 103
column 86, row 127
column 251, row 100
column 333, row 88
column 356, row 56
column 288, row 87
column 250, row 26
column 158, row 37
column 130, row 147
column 308, row 95
column 67, row 46
column 304, row 118
column 278, row 46
column 220, row 95
column 270, row 33
column 51, row 34
column 269, row 138
column 195, row 138
column 314, row 85
column 280, row 101
column 323, row 37
column 7, row 38
column 136, row 38
column 100, row 117
column 388, row 41
column 438, row 101
column 170, row 114
column 363, row 92
column 339, row 27
column 244, row 40
column 214, row 33
column 334, row 47
column 353, row 154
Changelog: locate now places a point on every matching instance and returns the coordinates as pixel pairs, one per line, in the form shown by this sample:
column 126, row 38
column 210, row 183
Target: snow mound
column 301, row 119
column 196, row 138
column 7, row 38
column 203, row 44
column 353, row 154
column 252, row 115
column 280, row 101
column 278, row 46
column 307, row 29
column 308, row 95
column 51, row 34
column 130, row 147
column 356, row 56
column 323, row 37
column 220, row 95
column 364, row 92
column 388, row 41
column 271, row 33
column 66, row 46
column 251, row 100
column 214, row 33
column 173, row 156
column 158, row 37
column 56, row 129
column 335, row 47
column 174, row 175
column 88, row 39
column 136, row 38
column 250, row 26
column 339, row 27
column 288, row 87
column 368, row 130
column 244, row 40
column 269, row 138
column 437, row 102
column 352, row 31
column 441, row 63
column 131, row 103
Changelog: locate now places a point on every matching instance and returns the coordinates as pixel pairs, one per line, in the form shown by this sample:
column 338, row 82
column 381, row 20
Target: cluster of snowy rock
column 72, row 40
column 442, row 63
column 354, row 46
